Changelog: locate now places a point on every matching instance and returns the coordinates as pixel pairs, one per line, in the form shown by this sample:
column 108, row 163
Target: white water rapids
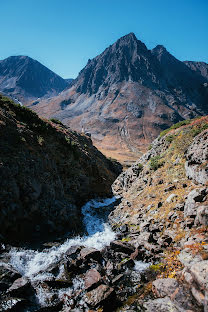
column 32, row 264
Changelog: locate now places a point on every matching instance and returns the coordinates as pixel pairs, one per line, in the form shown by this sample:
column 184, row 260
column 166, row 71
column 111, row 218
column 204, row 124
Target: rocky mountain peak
column 24, row 78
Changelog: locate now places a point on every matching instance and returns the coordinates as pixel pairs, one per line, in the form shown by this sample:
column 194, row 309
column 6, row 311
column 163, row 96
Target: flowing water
column 31, row 263
column 34, row 264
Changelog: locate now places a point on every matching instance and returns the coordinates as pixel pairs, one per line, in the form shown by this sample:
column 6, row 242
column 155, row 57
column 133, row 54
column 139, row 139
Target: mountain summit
column 26, row 79
column 126, row 95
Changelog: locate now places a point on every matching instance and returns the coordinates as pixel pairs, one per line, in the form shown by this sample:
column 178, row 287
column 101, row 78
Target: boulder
column 90, row 253
column 196, row 159
column 12, row 304
column 163, row 287
column 194, row 197
column 202, row 215
column 20, row 287
column 92, row 278
column 122, row 247
column 100, row 295
column 162, row 305
column 199, row 272
column 7, row 277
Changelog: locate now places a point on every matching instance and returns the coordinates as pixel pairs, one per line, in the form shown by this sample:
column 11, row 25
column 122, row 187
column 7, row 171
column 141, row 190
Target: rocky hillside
column 127, row 95
column 26, row 80
column 200, row 67
column 47, row 172
column 164, row 215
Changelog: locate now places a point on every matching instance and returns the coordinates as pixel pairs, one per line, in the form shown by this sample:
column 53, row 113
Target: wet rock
column 163, row 287
column 92, row 278
column 73, row 252
column 122, row 247
column 12, row 304
column 123, row 228
column 100, row 295
column 20, row 287
column 118, row 279
column 90, row 253
column 7, row 277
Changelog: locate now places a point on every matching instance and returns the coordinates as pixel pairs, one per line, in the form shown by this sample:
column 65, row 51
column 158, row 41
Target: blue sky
column 64, row 34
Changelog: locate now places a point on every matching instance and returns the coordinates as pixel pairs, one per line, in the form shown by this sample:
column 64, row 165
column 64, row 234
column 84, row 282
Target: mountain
column 47, row 173
column 200, row 67
column 126, row 95
column 26, row 80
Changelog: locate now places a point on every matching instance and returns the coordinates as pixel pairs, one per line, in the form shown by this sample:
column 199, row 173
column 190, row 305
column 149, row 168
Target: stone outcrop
column 163, row 212
column 47, row 172
column 197, row 159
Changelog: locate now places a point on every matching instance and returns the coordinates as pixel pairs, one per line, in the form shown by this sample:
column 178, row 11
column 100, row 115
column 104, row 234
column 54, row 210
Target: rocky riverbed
column 82, row 273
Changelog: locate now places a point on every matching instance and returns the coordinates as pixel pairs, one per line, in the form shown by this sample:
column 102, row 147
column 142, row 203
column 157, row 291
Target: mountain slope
column 47, row 172
column 126, row 95
column 26, row 79
column 200, row 67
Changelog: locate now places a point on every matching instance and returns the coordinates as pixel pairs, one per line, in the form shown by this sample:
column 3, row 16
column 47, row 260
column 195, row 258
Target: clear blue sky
column 64, row 34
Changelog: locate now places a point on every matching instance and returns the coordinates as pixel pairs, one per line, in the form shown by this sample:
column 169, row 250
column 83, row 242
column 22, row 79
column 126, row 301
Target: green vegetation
column 176, row 126
column 170, row 138
column 155, row 162
column 56, row 121
column 140, row 166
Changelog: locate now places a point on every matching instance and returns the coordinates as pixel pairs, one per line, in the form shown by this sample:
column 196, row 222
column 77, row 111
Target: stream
column 34, row 265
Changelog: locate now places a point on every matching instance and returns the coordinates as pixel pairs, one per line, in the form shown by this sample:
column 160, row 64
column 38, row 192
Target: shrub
column 170, row 138
column 56, row 121
column 155, row 162
column 175, row 126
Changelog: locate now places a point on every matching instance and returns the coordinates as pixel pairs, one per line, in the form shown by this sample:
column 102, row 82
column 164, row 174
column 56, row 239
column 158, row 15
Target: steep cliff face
column 47, row 172
column 164, row 214
column 26, row 80
column 126, row 95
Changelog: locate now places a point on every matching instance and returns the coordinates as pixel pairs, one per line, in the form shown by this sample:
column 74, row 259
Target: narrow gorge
column 142, row 246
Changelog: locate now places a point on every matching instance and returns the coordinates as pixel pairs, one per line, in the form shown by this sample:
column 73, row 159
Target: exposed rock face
column 126, row 95
column 200, row 67
column 47, row 172
column 165, row 211
column 26, row 79
column 197, row 159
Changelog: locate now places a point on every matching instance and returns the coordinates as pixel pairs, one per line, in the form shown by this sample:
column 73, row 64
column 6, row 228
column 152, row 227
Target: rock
column 196, row 156
column 118, row 279
column 7, row 277
column 198, row 295
column 163, row 287
column 122, row 247
column 12, row 304
column 170, row 188
column 194, row 197
column 123, row 228
column 92, row 278
column 20, row 287
column 202, row 216
column 199, row 272
column 162, row 305
column 100, row 295
column 171, row 197
column 90, row 253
